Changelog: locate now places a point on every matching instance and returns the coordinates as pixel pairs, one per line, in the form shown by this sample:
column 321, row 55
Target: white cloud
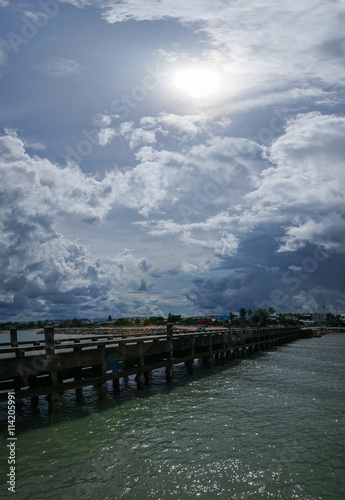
column 172, row 56
column 60, row 67
column 40, row 183
column 308, row 172
column 198, row 267
column 151, row 182
column 154, row 10
column 147, row 154
column 226, row 246
column 328, row 233
column 83, row 3
column 310, row 300
column 230, row 155
column 101, row 120
column 136, row 136
column 3, row 51
column 105, row 135
column 185, row 124
column 39, row 146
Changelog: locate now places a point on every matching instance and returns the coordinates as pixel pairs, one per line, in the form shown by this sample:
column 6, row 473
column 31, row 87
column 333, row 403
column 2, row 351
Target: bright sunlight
column 198, row 82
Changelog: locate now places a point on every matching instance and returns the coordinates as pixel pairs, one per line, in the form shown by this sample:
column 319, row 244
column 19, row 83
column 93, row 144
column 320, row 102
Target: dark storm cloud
column 303, row 281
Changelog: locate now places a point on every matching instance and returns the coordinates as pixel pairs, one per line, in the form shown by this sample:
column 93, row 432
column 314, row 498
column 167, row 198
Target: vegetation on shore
column 246, row 318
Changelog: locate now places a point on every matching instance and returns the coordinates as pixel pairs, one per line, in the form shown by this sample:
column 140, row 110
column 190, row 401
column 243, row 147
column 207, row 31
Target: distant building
column 289, row 316
column 307, row 322
column 318, row 318
column 306, row 317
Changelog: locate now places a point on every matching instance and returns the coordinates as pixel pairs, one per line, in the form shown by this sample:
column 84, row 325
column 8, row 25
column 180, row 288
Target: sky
column 175, row 157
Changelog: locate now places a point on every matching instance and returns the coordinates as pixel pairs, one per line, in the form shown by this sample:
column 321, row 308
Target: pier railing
column 51, row 366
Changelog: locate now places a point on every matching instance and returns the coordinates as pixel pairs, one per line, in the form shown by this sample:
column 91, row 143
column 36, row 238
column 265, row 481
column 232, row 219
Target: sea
column 270, row 426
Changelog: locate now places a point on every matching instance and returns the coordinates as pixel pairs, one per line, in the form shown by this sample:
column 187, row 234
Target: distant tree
column 260, row 317
column 329, row 317
column 159, row 320
column 243, row 312
column 174, row 318
column 281, row 318
column 110, row 318
column 123, row 322
column 231, row 317
column 75, row 322
column 271, row 311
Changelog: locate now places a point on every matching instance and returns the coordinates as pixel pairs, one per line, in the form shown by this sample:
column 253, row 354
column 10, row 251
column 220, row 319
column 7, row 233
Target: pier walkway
column 50, row 366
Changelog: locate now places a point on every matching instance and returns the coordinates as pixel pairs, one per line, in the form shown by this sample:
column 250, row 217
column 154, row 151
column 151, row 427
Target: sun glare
column 198, row 82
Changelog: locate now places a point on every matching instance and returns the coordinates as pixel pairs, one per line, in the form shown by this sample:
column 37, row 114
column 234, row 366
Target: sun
column 198, row 82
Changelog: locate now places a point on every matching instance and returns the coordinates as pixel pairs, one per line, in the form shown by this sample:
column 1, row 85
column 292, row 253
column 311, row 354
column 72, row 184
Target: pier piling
column 49, row 339
column 170, row 354
column 14, row 338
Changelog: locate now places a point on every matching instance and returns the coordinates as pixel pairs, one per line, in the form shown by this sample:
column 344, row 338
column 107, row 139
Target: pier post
column 116, row 384
column 49, row 345
column 34, row 402
column 14, row 343
column 52, row 400
column 147, row 377
column 169, row 367
column 79, row 395
column 222, row 354
column 170, row 330
column 190, row 364
column 140, row 379
column 101, row 350
column 208, row 359
column 14, row 337
column 49, row 339
column 227, row 346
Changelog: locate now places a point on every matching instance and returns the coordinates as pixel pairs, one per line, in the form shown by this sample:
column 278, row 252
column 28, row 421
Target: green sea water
column 271, row 426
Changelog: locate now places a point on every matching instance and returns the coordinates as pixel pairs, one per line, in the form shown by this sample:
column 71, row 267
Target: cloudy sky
column 171, row 156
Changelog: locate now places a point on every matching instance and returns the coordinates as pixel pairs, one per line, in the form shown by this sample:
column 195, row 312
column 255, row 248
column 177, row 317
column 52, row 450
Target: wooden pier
column 49, row 367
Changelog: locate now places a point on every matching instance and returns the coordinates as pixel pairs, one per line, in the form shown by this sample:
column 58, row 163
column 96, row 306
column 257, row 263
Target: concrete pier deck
column 51, row 366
